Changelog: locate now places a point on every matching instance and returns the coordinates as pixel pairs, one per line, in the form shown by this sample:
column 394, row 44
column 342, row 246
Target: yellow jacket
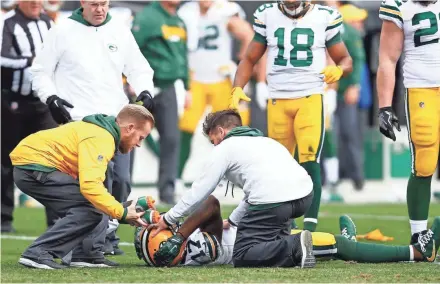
column 80, row 149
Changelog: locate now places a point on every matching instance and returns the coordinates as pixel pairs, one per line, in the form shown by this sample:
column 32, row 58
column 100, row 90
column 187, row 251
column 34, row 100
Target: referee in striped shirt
column 23, row 30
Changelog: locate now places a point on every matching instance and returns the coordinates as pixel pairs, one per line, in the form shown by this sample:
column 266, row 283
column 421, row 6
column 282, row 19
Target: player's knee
column 426, row 161
column 213, row 203
column 307, row 150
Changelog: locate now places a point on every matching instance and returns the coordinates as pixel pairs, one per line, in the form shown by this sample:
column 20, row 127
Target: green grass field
column 389, row 218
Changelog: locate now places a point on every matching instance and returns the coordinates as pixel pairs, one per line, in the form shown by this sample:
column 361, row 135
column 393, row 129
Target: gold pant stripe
column 321, row 139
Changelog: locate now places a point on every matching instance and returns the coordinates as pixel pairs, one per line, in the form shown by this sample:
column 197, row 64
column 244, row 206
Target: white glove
column 179, row 87
column 112, row 226
column 262, row 95
column 330, row 101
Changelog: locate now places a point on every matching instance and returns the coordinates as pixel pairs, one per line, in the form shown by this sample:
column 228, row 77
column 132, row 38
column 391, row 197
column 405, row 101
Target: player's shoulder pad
column 332, row 16
column 390, row 10
column 188, row 7
column 262, row 10
column 227, row 9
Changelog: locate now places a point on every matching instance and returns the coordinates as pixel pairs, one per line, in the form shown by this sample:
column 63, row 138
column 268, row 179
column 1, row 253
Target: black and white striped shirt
column 21, row 38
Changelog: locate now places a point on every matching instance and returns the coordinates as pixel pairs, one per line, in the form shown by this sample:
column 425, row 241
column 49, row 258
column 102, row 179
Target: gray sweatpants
column 264, row 239
column 167, row 120
column 350, row 146
column 118, row 182
column 81, row 228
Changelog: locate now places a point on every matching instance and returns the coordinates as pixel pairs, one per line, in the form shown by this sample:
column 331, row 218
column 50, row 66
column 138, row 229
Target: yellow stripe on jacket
column 79, row 149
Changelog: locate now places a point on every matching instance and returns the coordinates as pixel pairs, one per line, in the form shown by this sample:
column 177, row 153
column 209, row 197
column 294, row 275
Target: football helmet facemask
column 294, row 9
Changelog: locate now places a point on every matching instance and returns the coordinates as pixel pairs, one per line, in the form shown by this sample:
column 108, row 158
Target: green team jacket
column 162, row 40
column 355, row 46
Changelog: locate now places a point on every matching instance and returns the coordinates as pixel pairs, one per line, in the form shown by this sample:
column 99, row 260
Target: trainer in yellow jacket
column 83, row 149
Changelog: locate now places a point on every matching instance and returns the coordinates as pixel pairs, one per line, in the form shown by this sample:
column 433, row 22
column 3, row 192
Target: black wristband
column 166, row 221
column 232, row 223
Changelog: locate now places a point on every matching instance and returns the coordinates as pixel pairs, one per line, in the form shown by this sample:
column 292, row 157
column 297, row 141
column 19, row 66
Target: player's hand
column 161, row 225
column 237, row 94
column 133, row 217
column 262, row 94
column 226, row 224
column 145, row 99
column 144, row 203
column 57, row 109
column 169, row 250
column 332, row 74
column 387, row 121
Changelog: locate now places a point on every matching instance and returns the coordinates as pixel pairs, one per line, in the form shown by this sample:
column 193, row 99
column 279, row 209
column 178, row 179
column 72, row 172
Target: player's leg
column 330, row 162
column 207, row 218
column 280, row 123
column 422, row 111
column 189, row 121
column 309, row 132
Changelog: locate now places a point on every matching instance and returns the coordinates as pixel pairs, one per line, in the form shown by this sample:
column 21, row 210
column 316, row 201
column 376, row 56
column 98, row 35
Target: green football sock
column 367, row 252
column 153, row 145
column 311, row 216
column 185, row 148
column 418, row 196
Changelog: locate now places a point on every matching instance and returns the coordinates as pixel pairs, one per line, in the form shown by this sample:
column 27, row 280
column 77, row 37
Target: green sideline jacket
column 355, row 46
column 162, row 40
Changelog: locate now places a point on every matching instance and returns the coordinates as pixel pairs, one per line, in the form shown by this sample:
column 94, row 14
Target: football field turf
column 391, row 219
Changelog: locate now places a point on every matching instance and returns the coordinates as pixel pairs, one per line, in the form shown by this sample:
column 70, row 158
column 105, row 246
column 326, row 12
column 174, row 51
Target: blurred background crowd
column 360, row 149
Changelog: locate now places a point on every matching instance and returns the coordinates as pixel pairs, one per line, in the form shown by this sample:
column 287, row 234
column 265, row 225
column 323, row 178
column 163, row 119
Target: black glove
column 147, row 100
column 169, row 250
column 388, row 120
column 57, row 109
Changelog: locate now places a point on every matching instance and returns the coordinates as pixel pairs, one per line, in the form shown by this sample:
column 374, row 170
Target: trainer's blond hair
column 136, row 114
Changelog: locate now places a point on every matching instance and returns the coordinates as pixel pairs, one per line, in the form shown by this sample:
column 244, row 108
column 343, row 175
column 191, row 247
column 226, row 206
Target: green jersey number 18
column 307, row 35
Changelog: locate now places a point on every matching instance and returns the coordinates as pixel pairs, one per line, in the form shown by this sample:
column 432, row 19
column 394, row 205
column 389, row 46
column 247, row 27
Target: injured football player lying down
column 276, row 190
column 206, row 239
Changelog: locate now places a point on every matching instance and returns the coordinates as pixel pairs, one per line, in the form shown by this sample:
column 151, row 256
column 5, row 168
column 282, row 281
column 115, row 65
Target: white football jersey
column 420, row 24
column 296, row 48
column 200, row 250
column 213, row 49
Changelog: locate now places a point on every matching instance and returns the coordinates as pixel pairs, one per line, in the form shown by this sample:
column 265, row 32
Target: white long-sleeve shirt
column 84, row 65
column 262, row 167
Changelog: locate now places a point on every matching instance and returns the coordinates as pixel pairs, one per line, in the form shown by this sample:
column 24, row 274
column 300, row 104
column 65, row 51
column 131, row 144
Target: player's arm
column 391, row 46
column 336, row 50
column 339, row 54
column 254, row 52
column 203, row 186
column 242, row 31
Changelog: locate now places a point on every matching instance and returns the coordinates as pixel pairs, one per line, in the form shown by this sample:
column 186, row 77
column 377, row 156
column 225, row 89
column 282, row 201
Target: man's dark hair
column 225, row 118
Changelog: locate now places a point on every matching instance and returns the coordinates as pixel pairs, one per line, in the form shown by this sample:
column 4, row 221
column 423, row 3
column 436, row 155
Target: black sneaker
column 7, row 227
column 414, row 239
column 108, row 248
column 40, row 264
column 117, row 251
column 100, row 262
column 304, row 255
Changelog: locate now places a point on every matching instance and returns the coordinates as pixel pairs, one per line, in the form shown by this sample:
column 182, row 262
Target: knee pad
column 425, row 161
